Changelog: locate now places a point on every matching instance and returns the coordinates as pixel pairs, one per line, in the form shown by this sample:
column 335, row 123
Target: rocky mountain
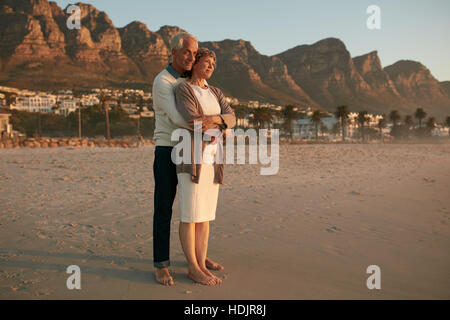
column 415, row 83
column 445, row 85
column 369, row 67
column 382, row 88
column 39, row 51
column 326, row 71
column 266, row 78
column 147, row 49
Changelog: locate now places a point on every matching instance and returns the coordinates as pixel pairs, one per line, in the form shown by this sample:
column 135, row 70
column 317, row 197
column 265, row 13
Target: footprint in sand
column 333, row 229
column 258, row 218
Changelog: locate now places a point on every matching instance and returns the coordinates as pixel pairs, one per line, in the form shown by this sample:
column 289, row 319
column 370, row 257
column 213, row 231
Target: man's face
column 184, row 58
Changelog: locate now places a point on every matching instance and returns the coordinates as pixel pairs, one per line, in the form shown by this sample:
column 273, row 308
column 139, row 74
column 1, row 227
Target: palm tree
column 336, row 129
column 289, row 114
column 262, row 116
column 342, row 114
column 104, row 99
column 80, row 106
column 394, row 116
column 10, row 99
column 268, row 117
column 420, row 115
column 57, row 106
column 381, row 125
column 362, row 119
column 409, row 123
column 323, row 129
column 316, row 119
column 447, row 122
column 431, row 123
column 255, row 117
column 240, row 112
column 39, row 131
column 140, row 109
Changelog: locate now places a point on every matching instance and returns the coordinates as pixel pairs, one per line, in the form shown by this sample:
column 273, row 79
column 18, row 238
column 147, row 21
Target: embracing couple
column 181, row 96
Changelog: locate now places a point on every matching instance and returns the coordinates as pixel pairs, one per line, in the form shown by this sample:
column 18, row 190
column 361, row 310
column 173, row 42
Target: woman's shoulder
column 182, row 85
column 216, row 91
column 183, row 88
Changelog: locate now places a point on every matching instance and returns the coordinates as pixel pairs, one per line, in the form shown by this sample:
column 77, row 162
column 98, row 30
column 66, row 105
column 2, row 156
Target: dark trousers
column 165, row 174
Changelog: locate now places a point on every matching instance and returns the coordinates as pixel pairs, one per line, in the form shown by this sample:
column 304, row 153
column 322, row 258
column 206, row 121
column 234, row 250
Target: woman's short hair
column 177, row 40
column 205, row 52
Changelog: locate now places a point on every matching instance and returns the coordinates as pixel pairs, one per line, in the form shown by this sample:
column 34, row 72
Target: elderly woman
column 198, row 183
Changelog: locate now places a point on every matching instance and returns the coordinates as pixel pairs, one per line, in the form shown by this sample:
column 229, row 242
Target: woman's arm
column 227, row 115
column 187, row 107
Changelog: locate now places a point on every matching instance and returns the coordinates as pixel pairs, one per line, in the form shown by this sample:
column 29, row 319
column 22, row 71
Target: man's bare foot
column 213, row 265
column 199, row 277
column 163, row 276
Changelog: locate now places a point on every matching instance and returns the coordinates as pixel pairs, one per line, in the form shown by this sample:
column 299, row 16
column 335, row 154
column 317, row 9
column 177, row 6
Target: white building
column 232, row 101
column 144, row 114
column 253, row 104
column 67, row 104
column 305, row 128
column 90, row 100
column 9, row 89
column 62, row 104
column 129, row 108
column 40, row 102
column 353, row 125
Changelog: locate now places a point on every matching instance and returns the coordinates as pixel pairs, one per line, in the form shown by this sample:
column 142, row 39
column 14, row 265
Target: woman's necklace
column 199, row 83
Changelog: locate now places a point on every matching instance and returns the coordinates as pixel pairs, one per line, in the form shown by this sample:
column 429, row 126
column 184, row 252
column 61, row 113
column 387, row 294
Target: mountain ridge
column 38, row 51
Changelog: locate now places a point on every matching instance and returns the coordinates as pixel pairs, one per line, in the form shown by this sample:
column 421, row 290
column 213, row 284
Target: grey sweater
column 190, row 108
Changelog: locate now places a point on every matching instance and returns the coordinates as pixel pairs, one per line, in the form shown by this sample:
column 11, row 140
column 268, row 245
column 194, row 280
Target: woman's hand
column 216, row 119
column 208, row 122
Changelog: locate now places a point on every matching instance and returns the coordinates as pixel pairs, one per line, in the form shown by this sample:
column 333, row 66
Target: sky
column 409, row 29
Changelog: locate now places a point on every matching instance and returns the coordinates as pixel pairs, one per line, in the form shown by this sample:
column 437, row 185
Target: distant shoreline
column 134, row 142
column 49, row 143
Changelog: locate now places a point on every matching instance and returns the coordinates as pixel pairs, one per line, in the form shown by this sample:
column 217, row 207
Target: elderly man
column 184, row 47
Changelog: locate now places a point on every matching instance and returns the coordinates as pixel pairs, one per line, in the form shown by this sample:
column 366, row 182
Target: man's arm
column 164, row 101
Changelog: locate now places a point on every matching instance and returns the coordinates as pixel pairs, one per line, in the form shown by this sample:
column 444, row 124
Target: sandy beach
column 309, row 232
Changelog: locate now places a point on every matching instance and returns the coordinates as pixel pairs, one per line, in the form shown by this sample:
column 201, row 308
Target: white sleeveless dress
column 198, row 202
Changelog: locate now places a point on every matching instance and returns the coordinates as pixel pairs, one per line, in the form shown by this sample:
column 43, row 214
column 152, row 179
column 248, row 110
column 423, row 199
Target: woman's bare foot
column 208, row 273
column 162, row 275
column 213, row 265
column 199, row 277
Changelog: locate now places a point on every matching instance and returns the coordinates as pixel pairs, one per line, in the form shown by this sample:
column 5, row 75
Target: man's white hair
column 177, row 40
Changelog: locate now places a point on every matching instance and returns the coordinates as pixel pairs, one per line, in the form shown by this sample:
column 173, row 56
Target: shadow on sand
column 132, row 274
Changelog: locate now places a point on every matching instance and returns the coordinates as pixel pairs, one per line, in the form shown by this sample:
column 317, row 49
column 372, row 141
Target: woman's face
column 204, row 68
